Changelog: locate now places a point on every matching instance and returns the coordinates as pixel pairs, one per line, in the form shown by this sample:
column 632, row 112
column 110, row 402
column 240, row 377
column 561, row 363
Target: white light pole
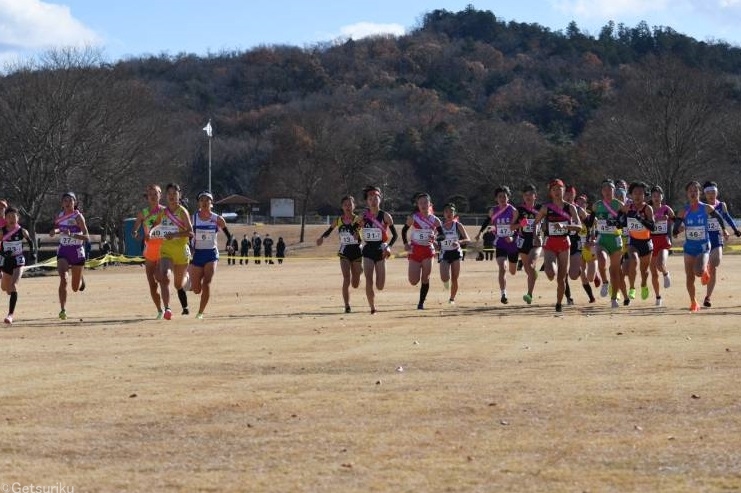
column 210, row 132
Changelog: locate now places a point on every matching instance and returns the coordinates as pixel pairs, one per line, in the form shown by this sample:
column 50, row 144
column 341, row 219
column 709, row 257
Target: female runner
column 609, row 244
column 175, row 227
column 348, row 226
column 377, row 224
column 696, row 218
column 450, row 250
column 146, row 219
column 639, row 221
column 426, row 227
column 528, row 239
column 663, row 215
column 206, row 225
column 560, row 218
column 12, row 258
column 710, row 189
column 72, row 230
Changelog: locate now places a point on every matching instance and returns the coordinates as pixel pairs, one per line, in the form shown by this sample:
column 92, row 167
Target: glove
column 737, row 233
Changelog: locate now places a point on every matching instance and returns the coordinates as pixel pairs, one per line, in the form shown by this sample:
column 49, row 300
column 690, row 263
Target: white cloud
column 364, row 29
column 34, row 24
column 611, row 8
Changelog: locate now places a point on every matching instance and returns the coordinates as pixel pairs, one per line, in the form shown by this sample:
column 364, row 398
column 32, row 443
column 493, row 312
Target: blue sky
column 126, row 28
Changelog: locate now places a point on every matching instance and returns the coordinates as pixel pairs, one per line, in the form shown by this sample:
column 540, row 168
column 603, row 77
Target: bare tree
column 662, row 128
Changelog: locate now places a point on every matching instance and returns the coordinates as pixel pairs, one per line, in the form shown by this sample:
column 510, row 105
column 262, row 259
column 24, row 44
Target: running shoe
column 9, row 319
column 569, row 301
column 626, row 302
column 659, row 302
column 632, row 293
column 644, row 292
column 559, row 307
column 168, row 314
column 667, row 281
column 528, row 298
column 62, row 315
column 373, row 311
column 694, row 307
column 446, row 285
column 82, row 284
column 705, row 279
column 707, row 303
column 185, row 311
column 592, row 299
column 451, row 302
column 348, row 309
column 615, row 304
column 605, row 288
column 504, row 299
column 159, row 314
column 421, row 306
column 199, row 316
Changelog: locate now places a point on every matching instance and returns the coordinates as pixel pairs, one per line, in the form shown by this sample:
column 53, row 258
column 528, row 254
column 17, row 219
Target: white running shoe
column 667, row 281
column 9, row 319
column 659, row 302
column 615, row 304
column 604, row 289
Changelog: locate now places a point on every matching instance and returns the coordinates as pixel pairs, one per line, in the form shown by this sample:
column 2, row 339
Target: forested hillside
column 461, row 104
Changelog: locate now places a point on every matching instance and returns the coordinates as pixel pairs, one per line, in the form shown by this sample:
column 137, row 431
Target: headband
column 711, row 189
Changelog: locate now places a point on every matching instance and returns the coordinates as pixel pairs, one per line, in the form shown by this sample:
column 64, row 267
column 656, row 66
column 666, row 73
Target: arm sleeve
column 719, row 218
column 485, row 225
column 404, row 231
column 328, row 232
column 394, row 235
column 677, row 223
column 729, row 220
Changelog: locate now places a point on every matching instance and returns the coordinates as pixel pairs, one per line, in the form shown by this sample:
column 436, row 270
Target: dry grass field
column 278, row 390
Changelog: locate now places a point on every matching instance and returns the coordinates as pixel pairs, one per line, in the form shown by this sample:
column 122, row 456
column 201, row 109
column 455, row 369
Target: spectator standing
column 489, row 239
column 256, row 246
column 244, row 250
column 267, row 245
column 280, row 250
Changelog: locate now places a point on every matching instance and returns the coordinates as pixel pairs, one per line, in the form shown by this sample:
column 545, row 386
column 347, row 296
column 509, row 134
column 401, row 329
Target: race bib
column 347, row 238
column 205, row 236
column 504, row 230
column 604, row 228
column 662, row 227
column 529, row 226
column 694, row 233
column 161, row 230
column 421, row 236
column 635, row 225
column 557, row 229
column 449, row 244
column 372, row 234
column 713, row 224
column 520, row 241
column 66, row 240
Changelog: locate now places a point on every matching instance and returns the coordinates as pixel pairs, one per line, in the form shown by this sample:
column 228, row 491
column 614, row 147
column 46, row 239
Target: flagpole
column 209, row 164
column 210, row 132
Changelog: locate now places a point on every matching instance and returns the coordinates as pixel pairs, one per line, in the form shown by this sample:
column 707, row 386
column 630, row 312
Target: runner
column 528, row 240
column 696, row 217
column 146, row 219
column 716, row 238
column 663, row 215
column 451, row 253
column 426, row 227
column 72, row 230
column 501, row 218
column 588, row 258
column 206, row 225
column 12, row 259
column 377, row 224
column 348, row 226
column 560, row 218
column 577, row 239
column 174, row 225
column 609, row 243
column 639, row 222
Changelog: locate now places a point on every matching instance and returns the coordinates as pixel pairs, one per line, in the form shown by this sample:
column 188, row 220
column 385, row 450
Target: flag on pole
column 209, row 129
